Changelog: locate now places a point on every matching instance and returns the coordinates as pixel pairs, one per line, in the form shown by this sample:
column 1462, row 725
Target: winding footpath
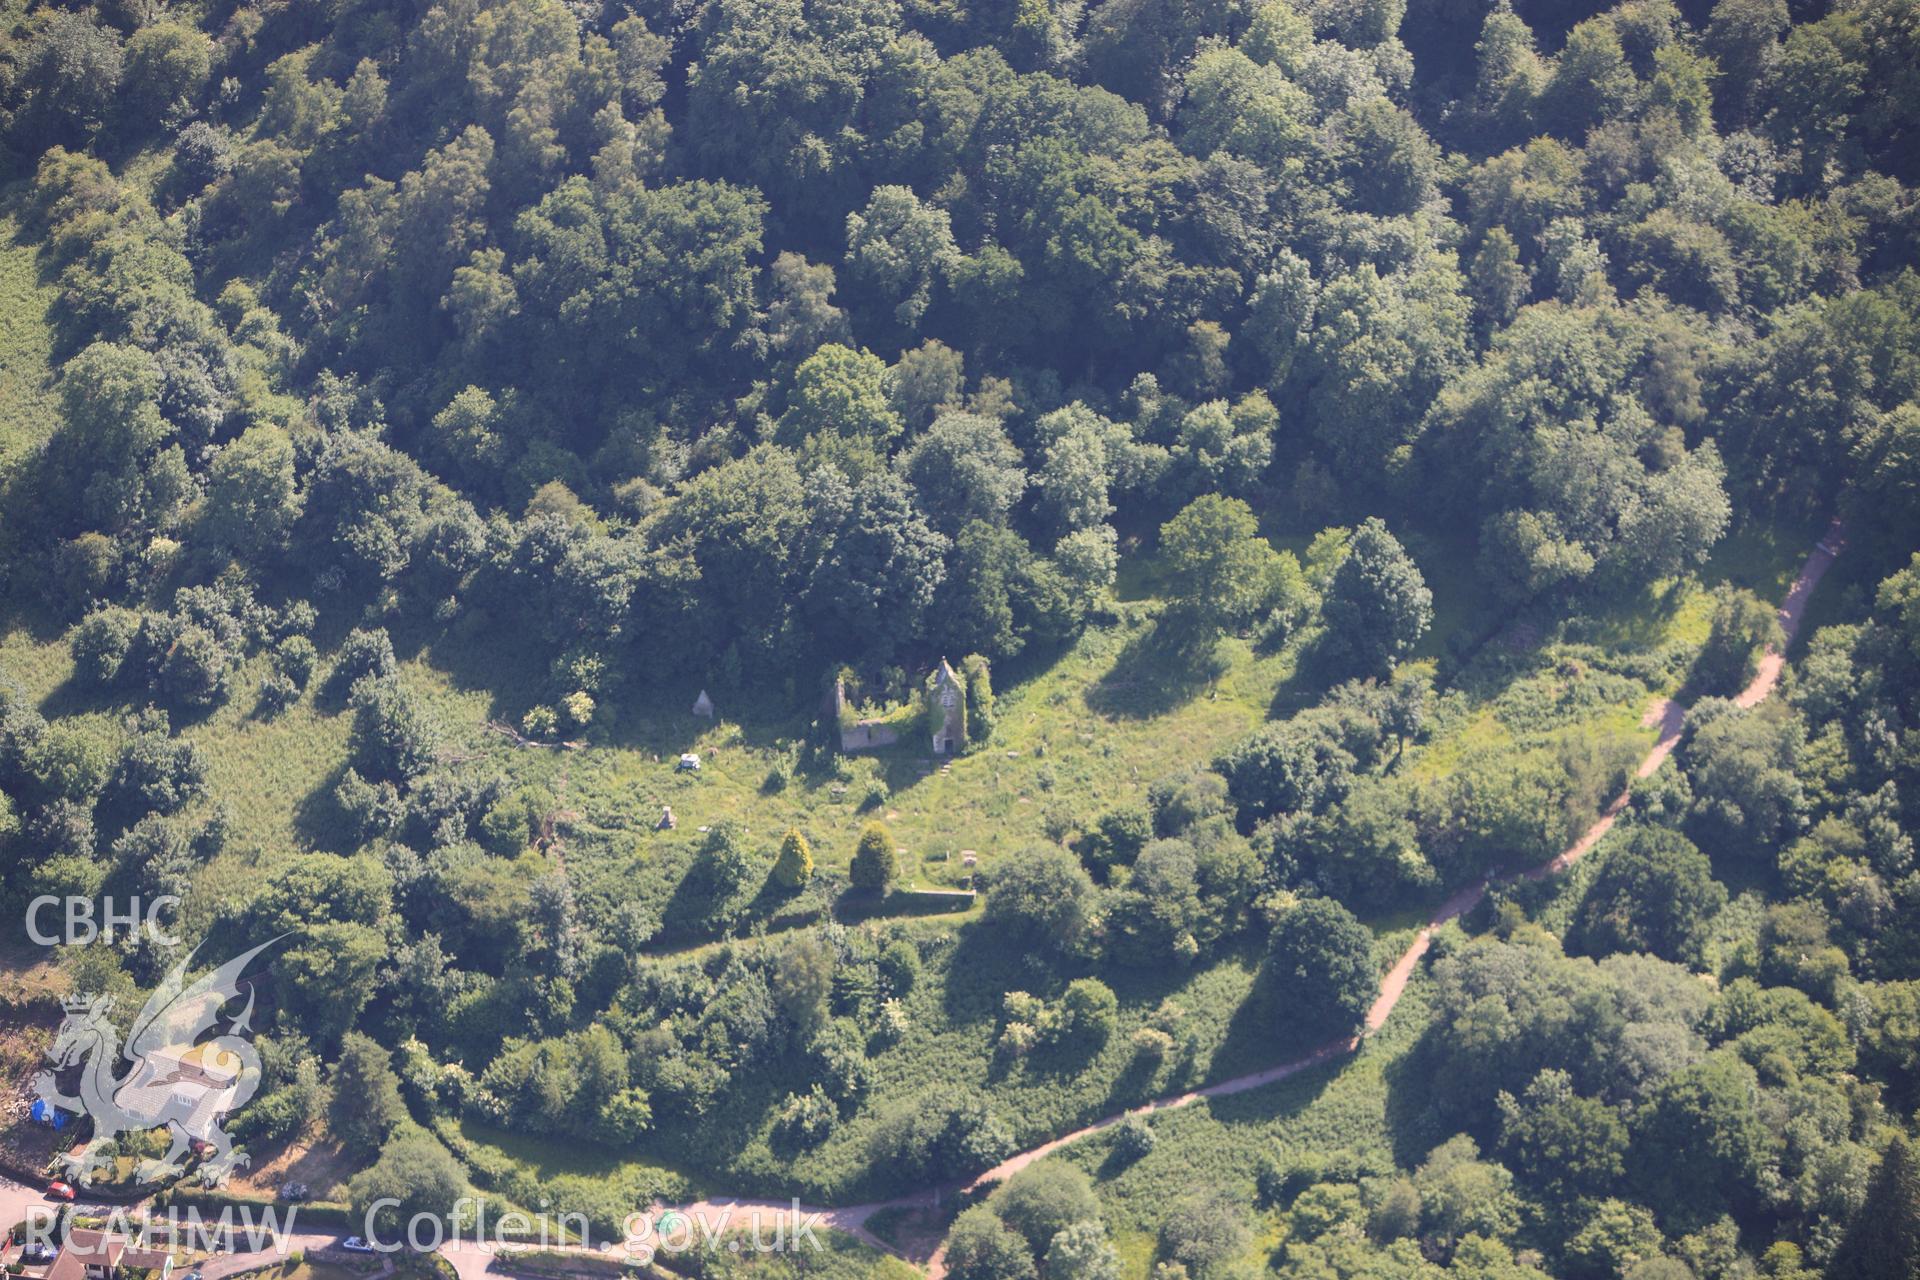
column 1665, row 715
column 710, row 1218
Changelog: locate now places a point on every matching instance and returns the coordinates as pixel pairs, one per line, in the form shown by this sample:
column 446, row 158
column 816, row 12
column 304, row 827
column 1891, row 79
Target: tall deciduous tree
column 1883, row 1242
column 1218, row 567
column 1378, row 605
column 366, row 1095
column 1321, row 960
column 414, row 1178
column 252, row 499
column 1654, row 892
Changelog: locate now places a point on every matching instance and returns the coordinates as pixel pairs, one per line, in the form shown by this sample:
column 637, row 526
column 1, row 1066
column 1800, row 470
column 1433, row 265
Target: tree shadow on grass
column 1316, row 669
column 1267, row 1030
column 1282, row 1098
column 699, row 910
column 856, row 906
column 1063, row 1059
column 1137, row 1082
column 1158, row 670
column 319, row 819
column 986, row 964
column 505, row 659
column 1413, row 1082
column 72, row 697
column 1636, row 622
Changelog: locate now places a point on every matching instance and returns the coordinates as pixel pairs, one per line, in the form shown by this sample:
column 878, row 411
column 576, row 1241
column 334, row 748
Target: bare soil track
column 717, row 1215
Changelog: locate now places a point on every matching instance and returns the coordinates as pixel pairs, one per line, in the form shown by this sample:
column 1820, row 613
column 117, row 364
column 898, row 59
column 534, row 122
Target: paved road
column 18, row 1200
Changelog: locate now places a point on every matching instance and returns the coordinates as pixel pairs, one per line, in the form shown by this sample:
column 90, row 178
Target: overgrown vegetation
column 1313, row 432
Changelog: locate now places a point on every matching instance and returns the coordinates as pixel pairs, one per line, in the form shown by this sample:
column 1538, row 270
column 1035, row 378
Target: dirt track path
column 1668, row 716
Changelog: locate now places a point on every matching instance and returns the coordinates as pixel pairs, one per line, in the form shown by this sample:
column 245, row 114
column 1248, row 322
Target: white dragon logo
column 174, row 1080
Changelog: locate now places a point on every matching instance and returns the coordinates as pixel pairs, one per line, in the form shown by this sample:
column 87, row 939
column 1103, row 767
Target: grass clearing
column 1088, row 731
column 316, row 1159
column 1369, row 1104
column 838, row 1257
column 1226, row 1020
column 275, row 776
column 27, row 407
column 1091, row 729
column 303, row 1270
column 37, row 664
column 1070, row 742
column 548, row 1158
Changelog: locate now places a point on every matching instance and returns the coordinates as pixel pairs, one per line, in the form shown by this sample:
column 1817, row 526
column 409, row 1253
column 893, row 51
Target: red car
column 59, row 1191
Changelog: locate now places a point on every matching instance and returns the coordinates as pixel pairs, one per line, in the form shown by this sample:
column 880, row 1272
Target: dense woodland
column 620, row 349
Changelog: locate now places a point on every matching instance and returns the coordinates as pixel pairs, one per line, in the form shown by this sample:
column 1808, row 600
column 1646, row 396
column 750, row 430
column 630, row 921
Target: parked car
column 295, row 1191
column 354, row 1244
column 59, row 1191
column 38, row 1255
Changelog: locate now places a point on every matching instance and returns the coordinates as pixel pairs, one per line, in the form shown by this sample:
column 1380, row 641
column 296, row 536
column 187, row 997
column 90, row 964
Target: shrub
column 1288, row 767
column 979, row 677
column 277, row 693
column 1043, row 895
column 1378, row 605
column 893, row 1021
column 157, row 772
column 1133, row 1139
column 875, row 865
column 1017, row 1039
column 511, row 822
column 202, row 153
column 1023, row 1006
column 365, row 652
column 1743, row 628
column 1119, row 836
column 981, row 1247
column 1043, row 1199
column 1323, row 959
column 540, row 722
column 1152, row 1044
column 393, row 737
column 938, row 1134
column 900, row 966
column 806, row 1118
column 1183, row 799
column 85, row 564
column 627, row 1115
column 366, row 1095
column 195, row 670
column 415, row 1176
column 794, row 867
column 1082, row 1252
column 1089, row 1010
column 100, row 644
column 1654, row 892
column 295, row 657
column 724, row 863
column 1397, row 1216
column 1204, row 1231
